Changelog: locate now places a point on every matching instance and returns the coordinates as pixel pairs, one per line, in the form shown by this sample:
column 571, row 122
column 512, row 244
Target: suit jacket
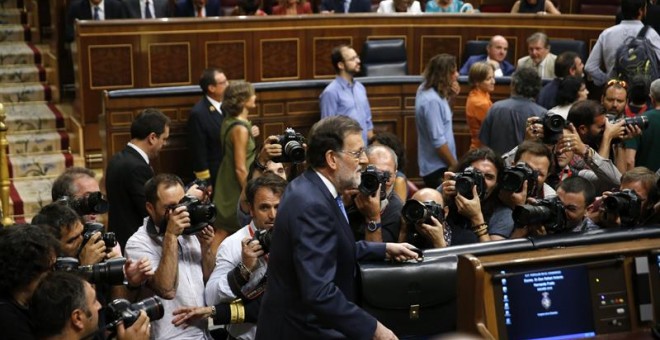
column 125, row 177
column 185, row 8
column 133, row 10
column 82, row 10
column 204, row 144
column 311, row 269
column 356, row 6
column 548, row 70
column 507, row 68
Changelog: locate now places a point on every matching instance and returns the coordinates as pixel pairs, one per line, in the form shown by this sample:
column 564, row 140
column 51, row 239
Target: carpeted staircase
column 42, row 137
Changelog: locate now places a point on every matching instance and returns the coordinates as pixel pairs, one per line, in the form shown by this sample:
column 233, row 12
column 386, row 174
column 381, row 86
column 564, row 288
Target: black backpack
column 636, row 57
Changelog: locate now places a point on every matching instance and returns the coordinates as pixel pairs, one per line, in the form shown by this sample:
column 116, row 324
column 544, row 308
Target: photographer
column 576, row 194
column 538, row 158
column 77, row 183
column 476, row 213
column 64, row 306
column 429, row 232
column 377, row 217
column 182, row 261
column 240, row 263
column 27, row 253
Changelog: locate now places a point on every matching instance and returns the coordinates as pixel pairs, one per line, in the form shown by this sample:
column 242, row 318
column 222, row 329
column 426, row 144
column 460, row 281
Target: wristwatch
column 373, row 226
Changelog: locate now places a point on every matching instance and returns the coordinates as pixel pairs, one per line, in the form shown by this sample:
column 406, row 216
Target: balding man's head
column 428, row 194
column 497, row 48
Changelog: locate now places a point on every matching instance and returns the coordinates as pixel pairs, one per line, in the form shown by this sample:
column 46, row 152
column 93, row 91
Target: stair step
column 13, row 16
column 46, row 142
column 33, row 116
column 11, row 4
column 20, row 53
column 15, row 33
column 27, row 196
column 51, row 164
column 18, row 93
column 22, row 74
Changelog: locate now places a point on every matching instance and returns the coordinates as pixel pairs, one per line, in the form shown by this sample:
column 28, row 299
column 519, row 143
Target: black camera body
column 553, row 128
column 92, row 228
column 467, row 179
column 110, row 271
column 415, row 212
column 91, row 204
column 641, row 121
column 627, row 204
column 265, row 237
column 371, row 179
column 514, row 177
column 547, row 212
column 121, row 310
column 201, row 214
column 292, row 147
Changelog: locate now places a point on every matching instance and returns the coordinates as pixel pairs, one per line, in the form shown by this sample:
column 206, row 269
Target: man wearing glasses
column 344, row 96
column 313, row 255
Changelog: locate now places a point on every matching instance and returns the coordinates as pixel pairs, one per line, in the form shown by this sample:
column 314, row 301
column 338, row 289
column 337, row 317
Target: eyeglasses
column 355, row 154
column 617, row 82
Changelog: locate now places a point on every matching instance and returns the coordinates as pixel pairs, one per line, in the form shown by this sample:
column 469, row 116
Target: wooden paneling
column 169, row 64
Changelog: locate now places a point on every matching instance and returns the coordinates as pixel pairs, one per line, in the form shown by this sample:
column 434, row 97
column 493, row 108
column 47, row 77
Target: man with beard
column 614, row 97
column 594, row 129
column 344, row 96
column 576, row 194
column 567, row 64
column 313, row 255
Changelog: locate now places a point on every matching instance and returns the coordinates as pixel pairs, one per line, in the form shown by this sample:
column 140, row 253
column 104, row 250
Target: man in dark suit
column 129, row 170
column 204, row 124
column 497, row 49
column 312, row 262
column 197, row 8
column 137, row 9
column 87, row 10
column 339, row 6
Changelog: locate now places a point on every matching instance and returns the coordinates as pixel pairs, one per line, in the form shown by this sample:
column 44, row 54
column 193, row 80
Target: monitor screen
column 549, row 304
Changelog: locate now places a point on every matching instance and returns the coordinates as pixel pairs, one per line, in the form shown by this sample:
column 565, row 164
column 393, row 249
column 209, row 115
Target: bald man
column 497, row 49
column 429, row 234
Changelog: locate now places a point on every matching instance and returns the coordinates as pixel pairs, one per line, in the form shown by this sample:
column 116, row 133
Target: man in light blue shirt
column 344, row 96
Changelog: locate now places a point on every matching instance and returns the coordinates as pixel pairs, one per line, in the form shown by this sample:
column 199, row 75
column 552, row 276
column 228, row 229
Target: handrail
column 4, row 170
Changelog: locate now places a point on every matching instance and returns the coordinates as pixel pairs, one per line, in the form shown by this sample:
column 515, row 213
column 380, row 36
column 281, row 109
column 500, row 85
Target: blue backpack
column 636, row 57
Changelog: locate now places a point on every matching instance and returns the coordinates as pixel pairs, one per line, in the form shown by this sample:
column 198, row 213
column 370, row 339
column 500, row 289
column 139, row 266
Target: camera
column 625, row 203
column 264, row 236
column 92, row 228
column 514, row 177
column 201, row 214
column 547, row 212
column 110, row 271
column 641, row 121
column 553, row 128
column 467, row 179
column 121, row 310
column 416, row 212
column 292, row 147
column 92, row 204
column 371, row 178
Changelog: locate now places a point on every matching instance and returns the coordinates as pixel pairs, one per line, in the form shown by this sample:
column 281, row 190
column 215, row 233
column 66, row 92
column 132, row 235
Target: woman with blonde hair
column 482, row 79
column 292, row 7
column 239, row 152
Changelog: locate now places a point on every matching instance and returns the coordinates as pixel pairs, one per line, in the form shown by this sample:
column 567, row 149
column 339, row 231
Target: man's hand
column 613, row 131
column 205, row 236
column 632, row 131
column 250, row 252
column 255, row 131
column 435, row 232
column 383, row 333
column 455, row 89
column 448, row 186
column 400, row 252
column 196, row 192
column 534, row 130
column 189, row 315
column 369, row 205
column 571, row 141
column 140, row 330
column 93, row 252
column 138, row 272
column 270, row 150
column 178, row 220
column 115, row 252
column 469, row 208
column 513, row 199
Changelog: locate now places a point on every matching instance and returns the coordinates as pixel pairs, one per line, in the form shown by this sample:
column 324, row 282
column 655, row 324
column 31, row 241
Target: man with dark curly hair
column 504, row 126
column 27, row 254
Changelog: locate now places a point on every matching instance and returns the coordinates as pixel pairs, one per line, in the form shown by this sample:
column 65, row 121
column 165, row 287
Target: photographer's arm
column 205, row 238
column 471, row 209
column 611, row 131
column 369, row 207
column 165, row 279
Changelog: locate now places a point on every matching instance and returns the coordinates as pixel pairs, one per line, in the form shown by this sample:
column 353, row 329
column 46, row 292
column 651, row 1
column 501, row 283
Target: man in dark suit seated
column 91, row 10
column 497, row 49
column 312, row 262
column 197, row 8
column 146, row 9
column 204, row 124
column 345, row 6
column 129, row 170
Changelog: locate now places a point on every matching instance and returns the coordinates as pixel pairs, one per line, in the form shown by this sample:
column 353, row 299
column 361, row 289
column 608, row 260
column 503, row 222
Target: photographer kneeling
column 425, row 226
column 476, row 213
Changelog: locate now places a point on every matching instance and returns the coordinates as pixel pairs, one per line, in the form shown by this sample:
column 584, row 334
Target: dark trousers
column 434, row 179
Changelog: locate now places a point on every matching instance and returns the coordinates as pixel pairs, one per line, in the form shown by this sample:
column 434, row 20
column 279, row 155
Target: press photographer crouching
column 519, row 185
column 424, row 215
column 374, row 209
column 476, row 213
column 561, row 214
column 64, row 306
column 234, row 290
column 27, row 254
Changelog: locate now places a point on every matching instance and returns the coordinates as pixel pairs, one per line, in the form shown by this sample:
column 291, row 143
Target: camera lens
column 530, row 214
column 464, row 186
column 641, row 121
column 413, row 211
column 152, row 306
column 294, row 151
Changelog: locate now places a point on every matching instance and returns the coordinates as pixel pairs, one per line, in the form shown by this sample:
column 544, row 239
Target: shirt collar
column 215, row 104
column 140, row 151
column 328, row 184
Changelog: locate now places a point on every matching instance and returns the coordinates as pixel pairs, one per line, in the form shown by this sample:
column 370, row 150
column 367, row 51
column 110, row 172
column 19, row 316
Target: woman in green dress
column 239, row 151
